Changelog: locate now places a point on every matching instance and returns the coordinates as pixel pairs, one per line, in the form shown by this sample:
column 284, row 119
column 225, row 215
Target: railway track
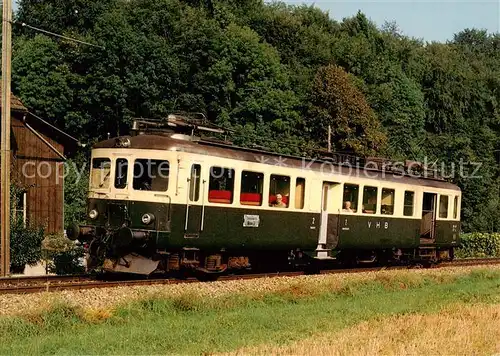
column 50, row 283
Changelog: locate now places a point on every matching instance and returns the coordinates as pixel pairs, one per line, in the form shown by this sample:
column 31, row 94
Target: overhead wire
column 50, row 33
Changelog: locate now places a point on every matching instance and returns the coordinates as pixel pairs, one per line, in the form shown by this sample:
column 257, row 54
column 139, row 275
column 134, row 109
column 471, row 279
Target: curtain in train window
column 443, row 206
column 100, row 173
column 408, row 203
column 221, row 185
column 369, row 200
column 252, row 185
column 387, row 204
column 300, row 192
column 455, row 207
column 350, row 200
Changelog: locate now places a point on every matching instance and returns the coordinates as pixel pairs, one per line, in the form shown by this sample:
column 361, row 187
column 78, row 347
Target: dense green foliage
column 76, row 184
column 479, row 245
column 256, row 67
column 25, row 245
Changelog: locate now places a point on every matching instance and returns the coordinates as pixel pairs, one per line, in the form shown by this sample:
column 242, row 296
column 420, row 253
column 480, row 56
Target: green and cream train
column 166, row 201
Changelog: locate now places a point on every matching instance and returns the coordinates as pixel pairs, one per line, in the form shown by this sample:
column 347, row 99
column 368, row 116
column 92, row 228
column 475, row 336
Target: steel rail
column 37, row 284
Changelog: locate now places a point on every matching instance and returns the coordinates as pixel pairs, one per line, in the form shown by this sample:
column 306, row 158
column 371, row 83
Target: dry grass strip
column 103, row 300
column 455, row 330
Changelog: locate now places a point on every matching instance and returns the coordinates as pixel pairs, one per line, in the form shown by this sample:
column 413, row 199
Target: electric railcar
column 166, row 201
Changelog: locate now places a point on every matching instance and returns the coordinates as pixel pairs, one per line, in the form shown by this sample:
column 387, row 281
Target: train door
column 195, row 203
column 428, row 223
column 328, row 222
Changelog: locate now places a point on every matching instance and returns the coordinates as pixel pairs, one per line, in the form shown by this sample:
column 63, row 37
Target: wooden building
column 37, row 167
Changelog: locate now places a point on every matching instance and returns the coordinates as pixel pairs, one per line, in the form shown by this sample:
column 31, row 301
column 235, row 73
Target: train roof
column 183, row 143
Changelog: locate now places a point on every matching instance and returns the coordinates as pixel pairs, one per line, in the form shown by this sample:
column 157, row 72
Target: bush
column 63, row 256
column 479, row 245
column 68, row 262
column 25, row 245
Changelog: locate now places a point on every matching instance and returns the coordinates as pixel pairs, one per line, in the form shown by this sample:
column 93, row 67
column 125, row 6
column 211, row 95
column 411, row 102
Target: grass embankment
column 380, row 312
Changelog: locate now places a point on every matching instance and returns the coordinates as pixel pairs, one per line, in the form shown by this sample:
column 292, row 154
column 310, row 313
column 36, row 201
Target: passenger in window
column 279, row 201
column 143, row 183
column 347, row 207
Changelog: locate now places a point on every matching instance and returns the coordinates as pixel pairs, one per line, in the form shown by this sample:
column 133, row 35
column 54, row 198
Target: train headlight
column 93, row 214
column 147, row 218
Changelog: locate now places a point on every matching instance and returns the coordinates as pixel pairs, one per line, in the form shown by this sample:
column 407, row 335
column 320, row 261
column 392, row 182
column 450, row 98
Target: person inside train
column 279, row 201
column 347, row 207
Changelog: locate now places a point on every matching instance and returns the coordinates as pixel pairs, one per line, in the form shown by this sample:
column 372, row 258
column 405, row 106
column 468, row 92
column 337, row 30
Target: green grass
column 188, row 325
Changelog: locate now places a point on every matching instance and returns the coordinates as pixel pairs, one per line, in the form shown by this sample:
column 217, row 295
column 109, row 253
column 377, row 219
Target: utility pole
column 329, row 138
column 5, row 139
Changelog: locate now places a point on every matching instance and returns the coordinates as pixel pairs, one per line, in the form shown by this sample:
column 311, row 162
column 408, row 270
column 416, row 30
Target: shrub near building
column 62, row 255
column 25, row 245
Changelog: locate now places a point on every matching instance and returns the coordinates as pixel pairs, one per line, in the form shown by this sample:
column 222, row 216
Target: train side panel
column 376, row 232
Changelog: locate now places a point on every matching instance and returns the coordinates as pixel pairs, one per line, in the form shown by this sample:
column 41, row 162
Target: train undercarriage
column 209, row 265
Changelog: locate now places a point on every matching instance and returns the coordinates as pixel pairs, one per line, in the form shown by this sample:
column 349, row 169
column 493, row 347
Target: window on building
column 279, row 191
column 194, row 182
column 350, row 200
column 443, row 206
column 221, row 185
column 387, row 204
column 409, row 202
column 455, row 207
column 252, row 186
column 369, row 200
column 99, row 175
column 121, row 173
column 151, row 175
column 300, row 193
column 19, row 211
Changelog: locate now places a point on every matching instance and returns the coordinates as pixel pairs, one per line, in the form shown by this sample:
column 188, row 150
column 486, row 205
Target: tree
column 76, row 183
column 62, row 16
column 42, row 78
column 337, row 102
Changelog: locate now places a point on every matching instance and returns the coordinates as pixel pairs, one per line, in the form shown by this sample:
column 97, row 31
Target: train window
column 300, row 192
column 279, row 191
column 387, row 204
column 221, row 185
column 121, row 173
column 350, row 202
column 409, row 202
column 455, row 207
column 252, row 184
column 194, row 182
column 101, row 170
column 151, row 174
column 443, row 206
column 369, row 200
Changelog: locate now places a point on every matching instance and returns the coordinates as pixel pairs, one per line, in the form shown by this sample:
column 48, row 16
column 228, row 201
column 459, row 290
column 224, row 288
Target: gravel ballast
column 110, row 298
